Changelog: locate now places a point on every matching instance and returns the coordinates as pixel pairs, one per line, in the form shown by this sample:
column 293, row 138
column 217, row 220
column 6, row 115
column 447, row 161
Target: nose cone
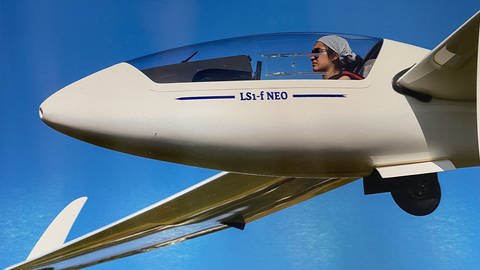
column 40, row 112
column 94, row 104
column 54, row 108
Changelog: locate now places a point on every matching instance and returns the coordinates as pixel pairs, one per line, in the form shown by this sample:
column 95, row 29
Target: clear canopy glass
column 261, row 57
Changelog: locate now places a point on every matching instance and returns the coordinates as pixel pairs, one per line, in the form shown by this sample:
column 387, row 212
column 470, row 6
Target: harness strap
column 351, row 75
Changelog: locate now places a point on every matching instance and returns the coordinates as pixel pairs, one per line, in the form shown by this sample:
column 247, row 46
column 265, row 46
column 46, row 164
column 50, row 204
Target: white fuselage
column 266, row 126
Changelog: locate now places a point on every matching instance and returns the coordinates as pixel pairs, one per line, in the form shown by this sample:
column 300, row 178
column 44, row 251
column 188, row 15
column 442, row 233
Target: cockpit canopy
column 262, row 57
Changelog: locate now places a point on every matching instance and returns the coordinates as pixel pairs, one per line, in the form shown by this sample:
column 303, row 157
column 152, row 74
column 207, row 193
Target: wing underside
column 450, row 70
column 222, row 201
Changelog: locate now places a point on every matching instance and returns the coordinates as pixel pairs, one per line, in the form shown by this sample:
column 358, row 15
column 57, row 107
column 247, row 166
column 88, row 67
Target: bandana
column 338, row 45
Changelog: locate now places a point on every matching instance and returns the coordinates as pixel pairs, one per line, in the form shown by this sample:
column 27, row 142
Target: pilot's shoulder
column 350, row 75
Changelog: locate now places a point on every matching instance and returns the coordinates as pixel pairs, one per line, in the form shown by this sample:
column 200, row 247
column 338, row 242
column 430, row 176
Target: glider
column 252, row 108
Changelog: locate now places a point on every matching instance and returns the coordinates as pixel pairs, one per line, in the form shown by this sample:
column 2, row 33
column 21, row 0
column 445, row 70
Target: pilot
column 333, row 56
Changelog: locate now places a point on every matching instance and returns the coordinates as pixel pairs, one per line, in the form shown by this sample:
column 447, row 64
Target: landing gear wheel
column 419, row 196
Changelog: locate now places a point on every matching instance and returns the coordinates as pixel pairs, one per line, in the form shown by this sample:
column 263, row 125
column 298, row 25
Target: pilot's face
column 319, row 57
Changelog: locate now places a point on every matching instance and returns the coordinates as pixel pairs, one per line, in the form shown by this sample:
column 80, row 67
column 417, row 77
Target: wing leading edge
column 222, row 201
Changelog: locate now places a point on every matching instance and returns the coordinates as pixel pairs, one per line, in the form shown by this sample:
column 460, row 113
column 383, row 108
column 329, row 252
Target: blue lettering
column 264, row 95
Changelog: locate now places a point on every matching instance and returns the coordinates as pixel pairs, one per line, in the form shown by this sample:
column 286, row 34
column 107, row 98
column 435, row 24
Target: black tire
column 419, row 195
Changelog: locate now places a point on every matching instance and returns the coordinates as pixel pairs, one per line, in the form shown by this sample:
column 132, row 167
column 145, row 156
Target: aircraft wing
column 449, row 71
column 222, row 201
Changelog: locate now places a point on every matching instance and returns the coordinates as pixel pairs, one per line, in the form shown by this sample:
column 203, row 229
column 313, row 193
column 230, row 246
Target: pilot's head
column 323, row 58
column 329, row 52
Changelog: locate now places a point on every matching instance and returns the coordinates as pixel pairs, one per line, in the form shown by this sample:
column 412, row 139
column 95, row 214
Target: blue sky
column 46, row 45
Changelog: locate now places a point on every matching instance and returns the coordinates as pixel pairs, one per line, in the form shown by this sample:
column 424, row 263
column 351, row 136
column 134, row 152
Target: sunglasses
column 317, row 51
